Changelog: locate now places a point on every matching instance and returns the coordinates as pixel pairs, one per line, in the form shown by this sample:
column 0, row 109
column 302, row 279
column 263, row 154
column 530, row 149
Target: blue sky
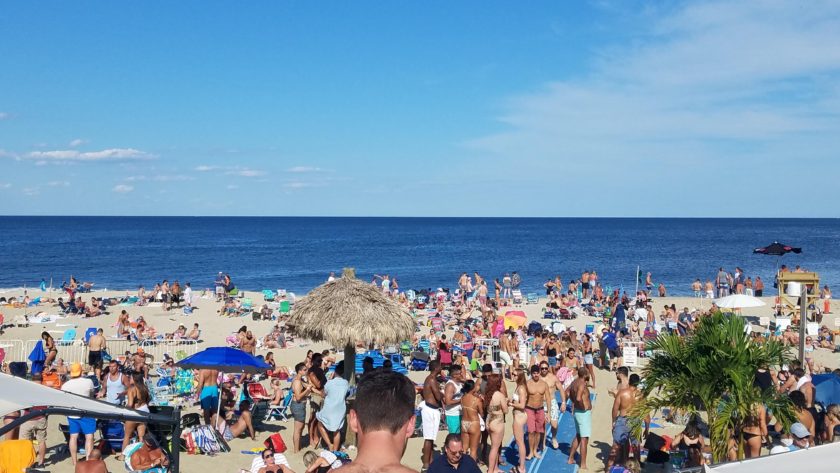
column 595, row 108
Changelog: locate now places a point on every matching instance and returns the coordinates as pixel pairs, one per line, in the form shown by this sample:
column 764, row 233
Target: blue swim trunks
column 209, row 397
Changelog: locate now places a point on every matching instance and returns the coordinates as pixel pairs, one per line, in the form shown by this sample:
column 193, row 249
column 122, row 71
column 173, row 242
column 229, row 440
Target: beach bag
column 188, row 442
column 275, row 443
column 51, row 379
column 188, row 310
column 206, row 440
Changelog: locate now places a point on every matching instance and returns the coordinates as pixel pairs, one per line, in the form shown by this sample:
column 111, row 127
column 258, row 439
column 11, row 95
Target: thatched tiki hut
column 346, row 311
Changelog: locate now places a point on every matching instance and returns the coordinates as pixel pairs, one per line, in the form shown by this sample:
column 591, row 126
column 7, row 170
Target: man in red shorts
column 535, row 410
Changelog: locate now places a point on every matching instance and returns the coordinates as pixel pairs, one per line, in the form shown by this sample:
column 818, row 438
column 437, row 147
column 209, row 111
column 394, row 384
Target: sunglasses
column 267, row 456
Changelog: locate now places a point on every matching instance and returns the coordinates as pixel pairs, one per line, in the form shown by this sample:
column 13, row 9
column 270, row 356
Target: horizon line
column 424, row 217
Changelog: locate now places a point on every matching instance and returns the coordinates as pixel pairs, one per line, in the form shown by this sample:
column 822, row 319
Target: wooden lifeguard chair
column 790, row 288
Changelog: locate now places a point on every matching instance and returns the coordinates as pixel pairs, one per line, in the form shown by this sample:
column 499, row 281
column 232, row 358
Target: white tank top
column 454, row 409
column 114, row 389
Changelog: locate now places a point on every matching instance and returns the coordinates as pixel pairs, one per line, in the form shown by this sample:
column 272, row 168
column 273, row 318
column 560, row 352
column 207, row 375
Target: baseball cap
column 75, row 370
column 799, row 430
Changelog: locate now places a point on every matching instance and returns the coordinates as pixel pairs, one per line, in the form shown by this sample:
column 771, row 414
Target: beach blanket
column 44, row 318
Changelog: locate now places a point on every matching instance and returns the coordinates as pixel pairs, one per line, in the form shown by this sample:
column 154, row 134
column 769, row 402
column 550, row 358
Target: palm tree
column 712, row 371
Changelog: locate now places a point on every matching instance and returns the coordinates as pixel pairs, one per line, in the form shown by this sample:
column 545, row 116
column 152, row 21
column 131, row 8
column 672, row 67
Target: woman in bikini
column 517, row 402
column 691, row 442
column 497, row 407
column 588, row 357
column 754, row 431
column 137, row 397
column 472, row 411
column 49, row 347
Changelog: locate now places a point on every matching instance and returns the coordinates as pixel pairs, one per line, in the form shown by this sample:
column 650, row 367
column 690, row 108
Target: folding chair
column 280, row 411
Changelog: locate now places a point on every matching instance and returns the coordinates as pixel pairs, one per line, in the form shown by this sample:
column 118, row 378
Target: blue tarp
column 37, row 357
column 827, row 387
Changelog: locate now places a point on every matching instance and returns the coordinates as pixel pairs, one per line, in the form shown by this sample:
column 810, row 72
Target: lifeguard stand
column 790, row 288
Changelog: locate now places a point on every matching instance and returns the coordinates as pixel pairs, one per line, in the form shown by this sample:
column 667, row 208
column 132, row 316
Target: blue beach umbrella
column 827, row 388
column 226, row 360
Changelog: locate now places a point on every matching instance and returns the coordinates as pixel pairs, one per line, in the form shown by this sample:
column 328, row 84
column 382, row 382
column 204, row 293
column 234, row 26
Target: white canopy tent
column 19, row 394
column 822, row 459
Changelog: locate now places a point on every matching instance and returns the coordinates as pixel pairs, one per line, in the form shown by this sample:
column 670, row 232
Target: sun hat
column 799, row 430
column 75, row 370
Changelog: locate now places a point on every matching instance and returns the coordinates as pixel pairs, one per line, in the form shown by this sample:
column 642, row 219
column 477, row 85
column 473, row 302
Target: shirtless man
column 96, row 343
column 625, row 398
column 804, row 385
column 149, row 455
column 506, row 349
column 554, row 409
column 138, row 363
column 249, row 343
column 535, row 405
column 194, row 333
column 584, row 284
column 430, row 411
column 582, row 407
column 382, row 417
column 208, row 390
column 93, row 464
column 463, row 284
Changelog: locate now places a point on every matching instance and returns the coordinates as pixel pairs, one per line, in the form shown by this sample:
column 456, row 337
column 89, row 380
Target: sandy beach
column 215, row 328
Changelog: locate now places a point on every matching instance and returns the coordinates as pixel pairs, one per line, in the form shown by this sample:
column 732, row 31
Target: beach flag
column 639, row 275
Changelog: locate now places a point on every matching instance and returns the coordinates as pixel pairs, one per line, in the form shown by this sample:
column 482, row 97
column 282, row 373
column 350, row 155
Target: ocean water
column 298, row 253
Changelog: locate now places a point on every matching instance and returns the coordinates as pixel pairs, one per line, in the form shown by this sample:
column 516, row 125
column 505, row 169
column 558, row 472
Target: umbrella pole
column 349, row 362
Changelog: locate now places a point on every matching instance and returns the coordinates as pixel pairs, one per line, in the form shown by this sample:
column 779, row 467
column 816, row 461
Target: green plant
column 712, row 371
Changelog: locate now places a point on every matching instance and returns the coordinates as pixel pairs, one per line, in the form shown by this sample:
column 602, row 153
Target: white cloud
column 122, row 188
column 205, row 168
column 112, row 154
column 705, row 82
column 246, row 172
column 30, row 191
column 303, row 169
column 232, row 187
column 58, row 184
column 76, row 143
column 5, row 116
column 5, row 185
column 8, row 154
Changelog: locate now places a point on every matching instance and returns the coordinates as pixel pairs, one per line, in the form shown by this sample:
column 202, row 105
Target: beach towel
column 16, row 455
column 37, row 357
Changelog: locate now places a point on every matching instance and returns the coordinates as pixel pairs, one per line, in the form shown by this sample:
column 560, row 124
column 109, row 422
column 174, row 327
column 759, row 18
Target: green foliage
column 712, row 371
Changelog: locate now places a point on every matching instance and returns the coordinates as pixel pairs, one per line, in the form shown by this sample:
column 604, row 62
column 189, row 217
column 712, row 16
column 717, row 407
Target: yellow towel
column 16, row 456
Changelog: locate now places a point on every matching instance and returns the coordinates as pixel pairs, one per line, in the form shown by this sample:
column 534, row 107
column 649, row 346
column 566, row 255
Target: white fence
column 72, row 351
column 14, row 349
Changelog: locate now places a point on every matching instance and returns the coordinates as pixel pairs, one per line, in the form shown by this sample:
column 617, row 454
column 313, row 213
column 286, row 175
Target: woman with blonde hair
column 832, row 421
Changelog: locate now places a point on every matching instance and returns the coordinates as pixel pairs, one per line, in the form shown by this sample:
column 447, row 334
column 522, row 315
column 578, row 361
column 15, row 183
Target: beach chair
column 533, row 298
column 517, row 297
column 285, row 307
column 437, row 324
column 67, row 338
column 268, row 295
column 410, row 295
column 279, row 412
column 424, row 345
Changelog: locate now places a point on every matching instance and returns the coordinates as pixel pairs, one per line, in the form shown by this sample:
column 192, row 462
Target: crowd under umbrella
column 225, row 360
column 345, row 311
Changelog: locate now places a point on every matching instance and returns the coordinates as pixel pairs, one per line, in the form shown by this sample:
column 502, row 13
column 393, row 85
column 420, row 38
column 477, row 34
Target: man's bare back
column 579, row 392
column 358, row 468
column 96, row 342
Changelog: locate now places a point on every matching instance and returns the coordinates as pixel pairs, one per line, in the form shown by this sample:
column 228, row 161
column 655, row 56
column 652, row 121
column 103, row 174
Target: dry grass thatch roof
column 348, row 310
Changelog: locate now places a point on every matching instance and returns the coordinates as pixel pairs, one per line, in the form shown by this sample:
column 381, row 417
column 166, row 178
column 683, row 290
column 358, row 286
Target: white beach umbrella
column 739, row 301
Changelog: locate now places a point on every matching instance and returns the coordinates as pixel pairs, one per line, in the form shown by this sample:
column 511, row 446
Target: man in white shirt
column 84, row 425
column 188, row 295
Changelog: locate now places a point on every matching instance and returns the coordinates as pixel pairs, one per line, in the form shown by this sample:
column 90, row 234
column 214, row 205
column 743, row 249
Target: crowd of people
column 484, row 376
